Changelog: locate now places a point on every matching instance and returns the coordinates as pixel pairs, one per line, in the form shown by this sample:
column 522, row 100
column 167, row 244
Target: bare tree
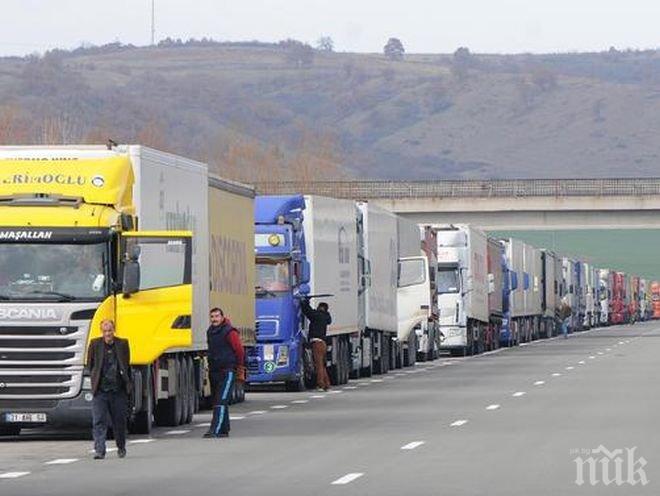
column 393, row 49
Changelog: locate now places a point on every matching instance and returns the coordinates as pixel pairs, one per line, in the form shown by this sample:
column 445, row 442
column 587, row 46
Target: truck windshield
column 447, row 280
column 49, row 271
column 272, row 277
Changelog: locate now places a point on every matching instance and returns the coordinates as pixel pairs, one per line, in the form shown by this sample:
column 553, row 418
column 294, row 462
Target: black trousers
column 109, row 409
column 222, row 381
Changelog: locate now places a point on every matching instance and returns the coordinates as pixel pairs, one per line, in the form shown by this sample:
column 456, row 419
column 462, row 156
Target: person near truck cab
column 226, row 358
column 565, row 312
column 108, row 362
column 319, row 320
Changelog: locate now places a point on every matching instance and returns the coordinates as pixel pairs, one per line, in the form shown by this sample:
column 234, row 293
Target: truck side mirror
column 131, row 277
column 305, row 272
column 514, row 280
column 303, row 289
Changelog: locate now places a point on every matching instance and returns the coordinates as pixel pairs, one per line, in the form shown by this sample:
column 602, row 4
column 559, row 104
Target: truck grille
column 41, row 361
column 253, row 359
column 267, row 328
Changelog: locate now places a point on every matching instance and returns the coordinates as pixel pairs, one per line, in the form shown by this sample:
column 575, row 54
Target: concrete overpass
column 526, row 204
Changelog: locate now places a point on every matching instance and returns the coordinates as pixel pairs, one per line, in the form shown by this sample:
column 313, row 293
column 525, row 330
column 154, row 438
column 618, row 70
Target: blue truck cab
column 282, row 277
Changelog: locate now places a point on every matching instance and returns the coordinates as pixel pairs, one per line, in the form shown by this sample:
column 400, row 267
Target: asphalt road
column 510, row 422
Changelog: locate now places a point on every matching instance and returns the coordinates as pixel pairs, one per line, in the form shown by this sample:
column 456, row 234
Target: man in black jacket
column 108, row 362
column 319, row 320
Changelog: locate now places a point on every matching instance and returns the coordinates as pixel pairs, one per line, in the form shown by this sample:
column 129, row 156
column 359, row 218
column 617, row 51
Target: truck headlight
column 283, row 355
column 87, row 383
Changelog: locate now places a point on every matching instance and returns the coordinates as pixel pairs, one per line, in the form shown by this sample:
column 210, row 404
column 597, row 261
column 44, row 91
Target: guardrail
column 466, row 188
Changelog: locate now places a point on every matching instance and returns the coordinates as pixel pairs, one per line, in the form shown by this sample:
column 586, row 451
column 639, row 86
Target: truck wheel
column 299, row 384
column 168, row 412
column 10, row 430
column 143, row 420
column 369, row 369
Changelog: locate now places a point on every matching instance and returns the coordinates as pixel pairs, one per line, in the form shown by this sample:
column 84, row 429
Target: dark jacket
column 319, row 320
column 95, row 362
column 225, row 349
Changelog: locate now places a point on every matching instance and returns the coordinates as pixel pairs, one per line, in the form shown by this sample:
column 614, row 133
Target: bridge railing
column 508, row 188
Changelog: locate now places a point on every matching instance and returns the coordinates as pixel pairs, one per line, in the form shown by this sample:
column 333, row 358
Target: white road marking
column 318, row 396
column 570, row 367
column 177, row 432
column 591, row 357
column 62, row 461
column 458, row 423
column 621, row 342
column 608, row 349
column 349, row 388
column 600, row 353
column 492, row 407
column 413, row 445
column 279, row 407
column 257, row 412
column 206, row 424
column 523, row 344
column 556, row 374
column 300, row 402
column 109, row 450
column 581, row 362
column 145, row 441
column 13, row 475
column 399, row 374
column 539, row 383
column 364, row 384
column 376, row 380
column 348, row 478
column 518, row 394
column 236, row 417
column 335, row 391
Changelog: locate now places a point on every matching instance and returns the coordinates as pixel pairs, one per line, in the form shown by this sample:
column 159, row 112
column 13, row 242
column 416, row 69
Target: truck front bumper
column 74, row 412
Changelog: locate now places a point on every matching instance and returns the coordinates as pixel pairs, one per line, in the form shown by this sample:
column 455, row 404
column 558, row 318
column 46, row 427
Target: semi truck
column 619, row 311
column 517, row 321
column 378, row 234
column 533, row 269
column 462, row 288
column 124, row 233
column 428, row 336
column 497, row 271
column 306, row 247
column 552, row 292
column 605, row 282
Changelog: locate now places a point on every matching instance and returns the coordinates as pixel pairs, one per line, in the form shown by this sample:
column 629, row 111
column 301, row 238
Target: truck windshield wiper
column 62, row 296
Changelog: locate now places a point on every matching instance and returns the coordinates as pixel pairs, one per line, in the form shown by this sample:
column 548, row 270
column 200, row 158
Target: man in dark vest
column 226, row 358
column 108, row 362
column 319, row 320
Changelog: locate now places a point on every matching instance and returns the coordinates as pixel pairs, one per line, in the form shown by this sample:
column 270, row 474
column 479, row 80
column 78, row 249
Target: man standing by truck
column 226, row 359
column 108, row 360
column 319, row 320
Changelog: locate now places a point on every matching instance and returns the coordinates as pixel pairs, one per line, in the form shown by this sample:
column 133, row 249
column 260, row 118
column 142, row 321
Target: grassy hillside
column 259, row 110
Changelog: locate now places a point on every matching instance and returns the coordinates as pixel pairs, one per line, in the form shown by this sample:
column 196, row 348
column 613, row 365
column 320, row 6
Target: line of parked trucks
column 152, row 240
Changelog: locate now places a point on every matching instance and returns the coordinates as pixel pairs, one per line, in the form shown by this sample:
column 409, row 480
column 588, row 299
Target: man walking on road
column 108, row 362
column 226, row 359
column 319, row 320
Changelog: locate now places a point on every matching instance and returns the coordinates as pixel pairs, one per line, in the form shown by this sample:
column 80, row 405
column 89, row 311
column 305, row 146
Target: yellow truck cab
column 90, row 233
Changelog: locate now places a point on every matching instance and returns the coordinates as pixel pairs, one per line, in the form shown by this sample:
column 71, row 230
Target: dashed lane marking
column 600, row 353
column 347, row 479
column 413, row 445
column 539, row 383
column 582, row 362
column 349, row 388
column 279, row 407
column 108, row 450
column 518, row 394
column 177, row 432
column 61, row 461
column 556, row 374
column 236, row 417
column 206, row 424
column 591, row 357
column 13, row 475
column 458, row 423
column 300, row 402
column 335, row 391
column 145, row 441
column 492, row 407
column 376, row 380
column 317, row 396
column 257, row 412
column 570, row 367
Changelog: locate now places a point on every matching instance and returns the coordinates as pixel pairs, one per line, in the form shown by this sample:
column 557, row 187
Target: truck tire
column 10, row 430
column 143, row 421
column 169, row 411
column 192, row 393
column 299, row 384
column 379, row 363
column 369, row 369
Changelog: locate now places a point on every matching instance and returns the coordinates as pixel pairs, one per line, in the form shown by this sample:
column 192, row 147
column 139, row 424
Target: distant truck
column 463, row 288
column 497, row 272
column 145, row 238
column 619, row 309
column 429, row 338
column 552, row 292
column 655, row 291
column 306, row 246
column 605, row 284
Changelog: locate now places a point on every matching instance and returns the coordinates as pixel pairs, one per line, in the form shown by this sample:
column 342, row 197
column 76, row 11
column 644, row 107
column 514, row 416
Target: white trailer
column 379, row 235
column 330, row 227
column 532, row 275
column 515, row 255
column 462, row 287
column 413, row 293
column 604, row 295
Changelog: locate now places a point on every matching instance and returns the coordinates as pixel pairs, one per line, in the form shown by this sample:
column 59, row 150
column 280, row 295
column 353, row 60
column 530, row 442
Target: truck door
column 154, row 303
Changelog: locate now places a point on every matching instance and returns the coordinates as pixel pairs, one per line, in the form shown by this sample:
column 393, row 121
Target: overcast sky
column 435, row 26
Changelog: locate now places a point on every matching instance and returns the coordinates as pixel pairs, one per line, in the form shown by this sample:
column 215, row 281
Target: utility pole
column 153, row 22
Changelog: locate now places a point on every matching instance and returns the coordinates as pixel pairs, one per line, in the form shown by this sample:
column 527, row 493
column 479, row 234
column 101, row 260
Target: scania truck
column 125, row 233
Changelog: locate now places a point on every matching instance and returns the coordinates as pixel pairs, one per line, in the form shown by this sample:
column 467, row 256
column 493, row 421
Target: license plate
column 25, row 417
column 269, row 352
